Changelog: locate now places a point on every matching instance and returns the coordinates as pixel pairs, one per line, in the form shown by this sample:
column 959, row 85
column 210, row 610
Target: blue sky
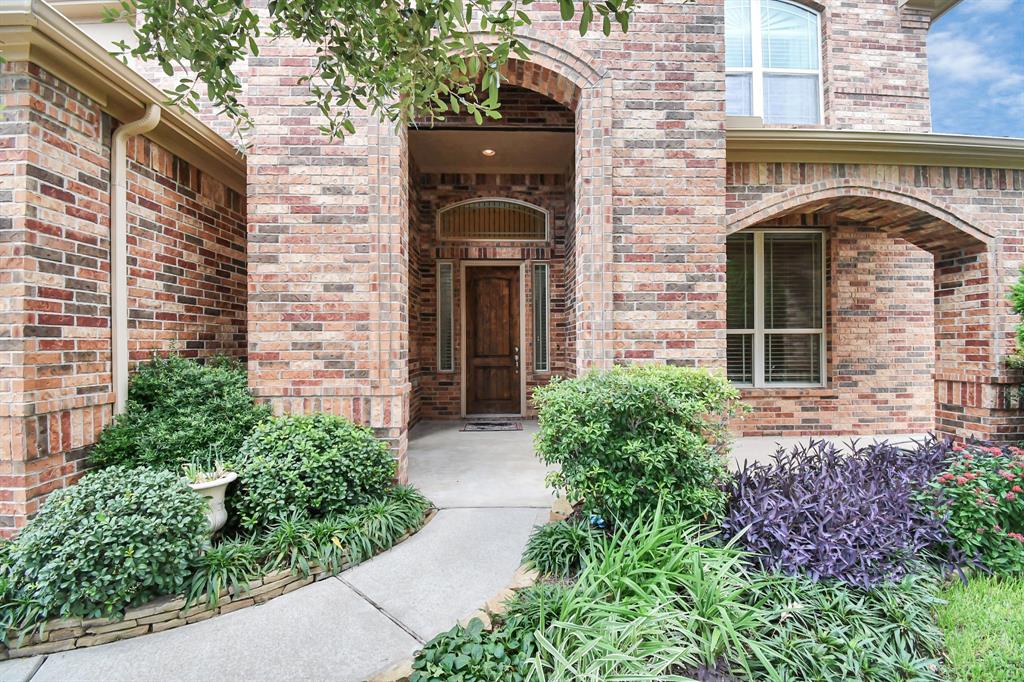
column 976, row 68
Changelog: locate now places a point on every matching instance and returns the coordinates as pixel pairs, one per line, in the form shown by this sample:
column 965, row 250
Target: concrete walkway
column 490, row 491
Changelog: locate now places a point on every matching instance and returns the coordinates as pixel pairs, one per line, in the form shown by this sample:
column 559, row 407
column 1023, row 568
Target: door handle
column 515, row 367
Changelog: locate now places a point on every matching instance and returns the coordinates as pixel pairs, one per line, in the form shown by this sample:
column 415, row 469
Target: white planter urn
column 213, row 492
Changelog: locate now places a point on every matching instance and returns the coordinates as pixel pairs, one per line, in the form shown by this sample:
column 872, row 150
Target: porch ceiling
column 515, row 151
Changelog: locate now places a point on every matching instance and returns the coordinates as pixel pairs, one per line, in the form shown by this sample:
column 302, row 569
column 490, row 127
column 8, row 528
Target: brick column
column 54, row 318
column 327, row 258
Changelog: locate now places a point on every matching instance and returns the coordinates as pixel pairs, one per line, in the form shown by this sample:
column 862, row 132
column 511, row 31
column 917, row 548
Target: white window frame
column 759, row 332
column 480, row 200
column 757, row 71
column 441, row 360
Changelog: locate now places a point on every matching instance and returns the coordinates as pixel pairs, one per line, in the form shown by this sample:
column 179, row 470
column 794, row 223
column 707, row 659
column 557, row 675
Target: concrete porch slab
column 455, row 468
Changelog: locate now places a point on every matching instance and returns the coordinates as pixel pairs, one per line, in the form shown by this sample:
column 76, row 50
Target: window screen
column 445, row 318
column 541, row 312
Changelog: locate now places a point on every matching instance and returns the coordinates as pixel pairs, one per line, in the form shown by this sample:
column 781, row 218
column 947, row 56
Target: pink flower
column 1017, row 489
column 1009, row 497
column 960, row 480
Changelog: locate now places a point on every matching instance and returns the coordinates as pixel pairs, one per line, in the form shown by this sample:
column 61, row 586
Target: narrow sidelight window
column 541, row 313
column 775, row 308
column 445, row 318
column 772, row 61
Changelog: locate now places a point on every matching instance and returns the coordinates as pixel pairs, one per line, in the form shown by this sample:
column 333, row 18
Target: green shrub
column 652, row 599
column 626, row 438
column 313, row 465
column 116, row 539
column 290, row 543
column 984, row 626
column 472, row 654
column 230, row 564
column 529, row 609
column 385, row 519
column 556, row 549
column 180, row 411
column 1016, row 359
column 827, row 630
column 981, row 496
column 298, row 542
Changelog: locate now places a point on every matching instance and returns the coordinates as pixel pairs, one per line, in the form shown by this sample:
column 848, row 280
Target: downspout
column 119, row 250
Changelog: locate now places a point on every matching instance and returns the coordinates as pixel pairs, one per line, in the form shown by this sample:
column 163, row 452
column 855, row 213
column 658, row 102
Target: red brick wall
column 875, row 66
column 55, row 324
column 439, row 393
column 417, row 315
column 328, row 265
column 328, row 222
column 186, row 258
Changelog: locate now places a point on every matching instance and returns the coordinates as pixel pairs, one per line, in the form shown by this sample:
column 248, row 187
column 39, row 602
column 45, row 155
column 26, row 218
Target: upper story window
column 772, row 61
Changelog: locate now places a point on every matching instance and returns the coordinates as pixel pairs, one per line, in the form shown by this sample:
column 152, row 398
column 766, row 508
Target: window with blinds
column 775, row 297
column 492, row 220
column 445, row 318
column 541, row 313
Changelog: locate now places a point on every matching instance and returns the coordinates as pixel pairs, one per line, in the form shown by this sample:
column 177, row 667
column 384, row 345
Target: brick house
column 748, row 185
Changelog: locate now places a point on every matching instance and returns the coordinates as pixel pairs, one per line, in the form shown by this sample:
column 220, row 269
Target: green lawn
column 984, row 626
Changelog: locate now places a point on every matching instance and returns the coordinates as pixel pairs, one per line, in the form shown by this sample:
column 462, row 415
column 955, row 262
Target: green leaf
column 567, row 8
column 588, row 15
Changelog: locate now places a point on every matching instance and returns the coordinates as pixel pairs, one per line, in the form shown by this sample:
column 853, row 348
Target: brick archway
column 925, row 221
column 867, row 278
column 573, row 78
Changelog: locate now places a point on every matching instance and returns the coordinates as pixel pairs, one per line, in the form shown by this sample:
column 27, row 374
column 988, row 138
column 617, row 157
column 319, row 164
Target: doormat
column 492, row 426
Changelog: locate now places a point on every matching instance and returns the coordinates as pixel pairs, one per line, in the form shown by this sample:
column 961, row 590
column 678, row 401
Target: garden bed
column 166, row 613
column 819, row 565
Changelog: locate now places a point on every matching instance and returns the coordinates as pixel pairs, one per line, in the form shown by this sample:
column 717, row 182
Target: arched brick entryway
column 556, row 96
column 912, row 306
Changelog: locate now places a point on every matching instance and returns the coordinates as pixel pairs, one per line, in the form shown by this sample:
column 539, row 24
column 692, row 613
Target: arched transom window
column 492, row 220
column 773, row 61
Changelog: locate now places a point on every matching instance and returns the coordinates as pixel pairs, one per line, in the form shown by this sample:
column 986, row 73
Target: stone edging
column 523, row 577
column 166, row 613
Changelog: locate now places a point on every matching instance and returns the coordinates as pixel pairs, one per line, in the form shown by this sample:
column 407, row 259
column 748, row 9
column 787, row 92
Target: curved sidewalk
column 490, row 491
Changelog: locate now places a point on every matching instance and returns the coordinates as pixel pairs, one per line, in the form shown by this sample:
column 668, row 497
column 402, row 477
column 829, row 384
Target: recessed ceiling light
column 488, row 152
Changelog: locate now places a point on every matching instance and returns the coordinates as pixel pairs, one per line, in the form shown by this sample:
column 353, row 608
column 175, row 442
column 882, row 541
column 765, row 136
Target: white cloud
column 963, row 60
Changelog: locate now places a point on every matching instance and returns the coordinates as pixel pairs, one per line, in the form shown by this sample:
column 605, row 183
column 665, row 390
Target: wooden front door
column 492, row 340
